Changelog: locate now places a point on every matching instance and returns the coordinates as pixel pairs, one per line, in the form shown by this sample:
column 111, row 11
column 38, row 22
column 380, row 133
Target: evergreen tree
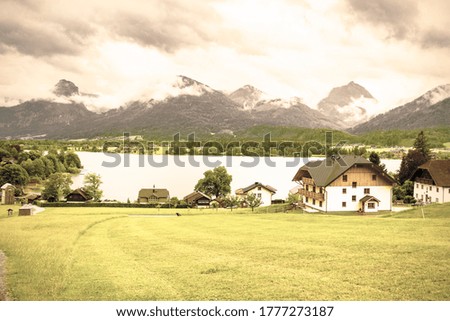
column 409, row 164
column 421, row 145
column 374, row 158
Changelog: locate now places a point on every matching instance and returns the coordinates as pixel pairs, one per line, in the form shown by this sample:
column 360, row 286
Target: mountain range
column 191, row 106
column 432, row 109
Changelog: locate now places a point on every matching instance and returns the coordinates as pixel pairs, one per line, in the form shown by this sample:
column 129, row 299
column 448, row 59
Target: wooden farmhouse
column 30, row 198
column 432, row 182
column 78, row 195
column 264, row 192
column 197, row 199
column 153, row 196
column 347, row 183
column 8, row 194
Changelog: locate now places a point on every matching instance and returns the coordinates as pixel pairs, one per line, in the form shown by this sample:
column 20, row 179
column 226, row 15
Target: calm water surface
column 179, row 174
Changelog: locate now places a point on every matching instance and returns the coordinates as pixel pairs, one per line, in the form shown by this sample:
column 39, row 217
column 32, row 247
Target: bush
column 408, row 199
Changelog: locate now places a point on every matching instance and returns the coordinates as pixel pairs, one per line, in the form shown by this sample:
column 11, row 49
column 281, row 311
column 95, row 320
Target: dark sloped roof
column 254, row 185
column 195, row 196
column 369, row 198
column 324, row 172
column 79, row 191
column 158, row 192
column 438, row 169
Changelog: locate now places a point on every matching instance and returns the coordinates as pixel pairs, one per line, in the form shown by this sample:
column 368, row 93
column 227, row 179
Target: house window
column 344, row 204
column 306, row 200
column 417, row 195
column 353, row 198
column 421, row 197
column 314, row 189
column 417, row 185
column 374, row 177
column 437, row 200
column 354, row 184
column 437, row 189
column 367, row 191
column 259, row 188
column 344, row 178
column 431, row 188
column 314, row 201
column 371, row 205
column 320, row 203
column 258, row 195
column 421, row 186
column 344, row 191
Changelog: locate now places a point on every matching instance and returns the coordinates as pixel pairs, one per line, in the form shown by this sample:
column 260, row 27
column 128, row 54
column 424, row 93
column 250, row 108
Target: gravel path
column 3, row 294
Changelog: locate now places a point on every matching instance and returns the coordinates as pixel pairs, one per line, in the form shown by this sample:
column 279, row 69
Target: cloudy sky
column 397, row 49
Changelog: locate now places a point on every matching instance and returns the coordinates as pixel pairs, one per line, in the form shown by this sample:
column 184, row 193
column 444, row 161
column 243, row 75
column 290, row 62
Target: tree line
column 20, row 167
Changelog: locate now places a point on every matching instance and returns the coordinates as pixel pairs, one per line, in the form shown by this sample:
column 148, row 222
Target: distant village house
column 264, row 192
column 347, row 183
column 197, row 199
column 432, row 182
column 153, row 196
column 78, row 195
column 30, row 198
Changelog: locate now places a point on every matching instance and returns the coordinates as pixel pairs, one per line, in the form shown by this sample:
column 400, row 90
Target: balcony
column 308, row 181
column 424, row 181
column 316, row 196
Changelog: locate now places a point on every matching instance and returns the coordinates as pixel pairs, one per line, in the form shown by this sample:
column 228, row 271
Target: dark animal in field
column 178, row 214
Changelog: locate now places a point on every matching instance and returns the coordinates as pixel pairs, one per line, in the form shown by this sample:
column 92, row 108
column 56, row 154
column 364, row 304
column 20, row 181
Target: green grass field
column 105, row 254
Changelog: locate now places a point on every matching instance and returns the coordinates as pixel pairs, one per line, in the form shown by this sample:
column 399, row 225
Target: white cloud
column 132, row 50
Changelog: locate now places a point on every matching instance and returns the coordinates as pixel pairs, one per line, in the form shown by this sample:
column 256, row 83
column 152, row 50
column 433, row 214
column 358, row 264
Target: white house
column 432, row 182
column 264, row 192
column 347, row 183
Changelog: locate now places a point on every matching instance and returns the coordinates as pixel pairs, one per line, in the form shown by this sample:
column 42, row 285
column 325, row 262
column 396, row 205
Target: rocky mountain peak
column 189, row 86
column 348, row 104
column 65, row 88
column 344, row 95
column 247, row 96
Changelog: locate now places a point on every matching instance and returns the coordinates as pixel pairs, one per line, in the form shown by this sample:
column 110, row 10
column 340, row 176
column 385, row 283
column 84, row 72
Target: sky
column 124, row 50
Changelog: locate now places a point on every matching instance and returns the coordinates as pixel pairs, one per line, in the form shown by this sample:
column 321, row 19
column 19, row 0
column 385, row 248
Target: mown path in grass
column 99, row 255
column 3, row 292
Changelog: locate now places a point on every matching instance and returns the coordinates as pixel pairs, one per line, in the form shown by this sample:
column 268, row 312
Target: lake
column 123, row 175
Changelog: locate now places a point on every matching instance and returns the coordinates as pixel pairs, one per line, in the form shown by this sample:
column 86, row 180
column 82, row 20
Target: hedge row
column 126, row 205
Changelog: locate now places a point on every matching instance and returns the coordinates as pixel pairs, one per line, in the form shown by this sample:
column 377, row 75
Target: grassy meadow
column 127, row 254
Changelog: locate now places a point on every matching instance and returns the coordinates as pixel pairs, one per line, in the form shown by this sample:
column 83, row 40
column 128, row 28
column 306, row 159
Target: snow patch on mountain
column 279, row 103
column 435, row 95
